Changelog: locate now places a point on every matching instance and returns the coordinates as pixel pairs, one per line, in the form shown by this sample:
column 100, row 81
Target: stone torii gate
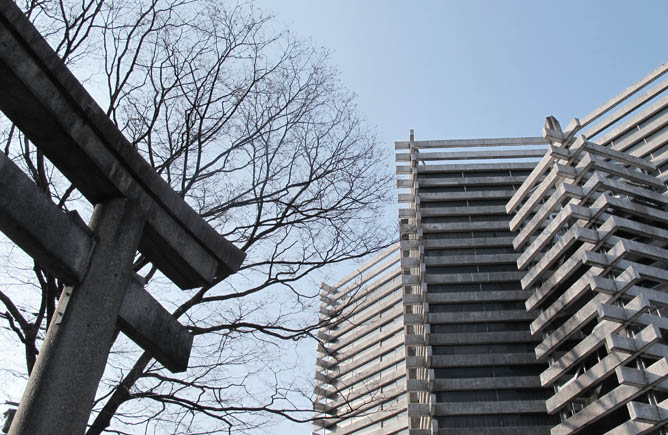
column 134, row 210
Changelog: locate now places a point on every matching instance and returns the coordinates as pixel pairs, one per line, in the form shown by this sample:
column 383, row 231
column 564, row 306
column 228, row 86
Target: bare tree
column 252, row 127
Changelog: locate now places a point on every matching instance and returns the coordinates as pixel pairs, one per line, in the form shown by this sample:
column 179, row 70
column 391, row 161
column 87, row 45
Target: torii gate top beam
column 75, row 134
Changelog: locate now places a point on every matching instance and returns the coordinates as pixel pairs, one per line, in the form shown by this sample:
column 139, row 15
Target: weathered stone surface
column 152, row 327
column 58, row 241
column 80, row 335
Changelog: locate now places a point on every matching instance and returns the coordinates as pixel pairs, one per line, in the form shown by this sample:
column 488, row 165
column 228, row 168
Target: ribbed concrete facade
column 592, row 220
column 528, row 291
column 453, row 311
column 471, row 368
column 361, row 374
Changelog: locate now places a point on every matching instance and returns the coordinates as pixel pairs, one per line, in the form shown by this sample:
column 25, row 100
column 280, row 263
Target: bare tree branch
column 256, row 133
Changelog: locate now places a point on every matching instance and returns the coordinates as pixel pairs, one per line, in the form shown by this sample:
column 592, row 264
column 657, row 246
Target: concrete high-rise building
column 592, row 222
column 527, row 293
column 433, row 334
column 361, row 381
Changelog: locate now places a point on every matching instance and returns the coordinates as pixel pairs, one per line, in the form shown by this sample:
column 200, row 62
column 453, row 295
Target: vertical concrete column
column 419, row 418
column 62, row 385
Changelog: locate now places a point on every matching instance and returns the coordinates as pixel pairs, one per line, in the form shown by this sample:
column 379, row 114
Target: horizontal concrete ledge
column 416, row 361
column 478, row 360
column 469, row 181
column 482, row 338
column 485, row 408
column 654, row 113
column 389, row 327
column 453, row 260
column 477, row 296
column 417, row 385
column 347, row 364
column 460, row 196
column 638, row 121
column 475, row 167
column 508, row 430
column 467, row 243
column 460, row 278
column 459, row 143
column 465, row 226
column 598, row 409
column 505, row 383
column 365, row 416
column 409, row 280
column 344, row 325
column 358, row 304
column 462, row 211
column 353, row 297
column 418, row 410
column 632, row 428
column 518, row 152
column 371, row 370
column 364, row 272
column 537, row 173
column 481, row 316
column 413, row 319
column 403, row 170
column 389, row 318
column 645, row 412
column 379, row 390
column 622, row 96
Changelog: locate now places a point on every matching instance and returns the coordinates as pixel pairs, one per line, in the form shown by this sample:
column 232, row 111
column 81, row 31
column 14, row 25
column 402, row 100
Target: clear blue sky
column 480, row 68
column 471, row 69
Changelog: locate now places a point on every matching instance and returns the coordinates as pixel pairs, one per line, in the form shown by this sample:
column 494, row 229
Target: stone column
column 62, row 385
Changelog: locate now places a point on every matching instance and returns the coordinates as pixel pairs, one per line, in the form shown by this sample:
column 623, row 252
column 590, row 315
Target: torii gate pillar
column 79, row 338
column 135, row 209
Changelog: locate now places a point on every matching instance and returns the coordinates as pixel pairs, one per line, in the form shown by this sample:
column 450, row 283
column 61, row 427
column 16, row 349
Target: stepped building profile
column 527, row 293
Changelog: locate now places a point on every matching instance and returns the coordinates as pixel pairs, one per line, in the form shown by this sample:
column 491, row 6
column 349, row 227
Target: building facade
column 360, row 374
column 527, row 292
column 592, row 232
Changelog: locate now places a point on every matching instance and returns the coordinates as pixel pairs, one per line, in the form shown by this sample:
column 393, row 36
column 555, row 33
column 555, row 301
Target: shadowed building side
column 473, row 369
column 432, row 336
